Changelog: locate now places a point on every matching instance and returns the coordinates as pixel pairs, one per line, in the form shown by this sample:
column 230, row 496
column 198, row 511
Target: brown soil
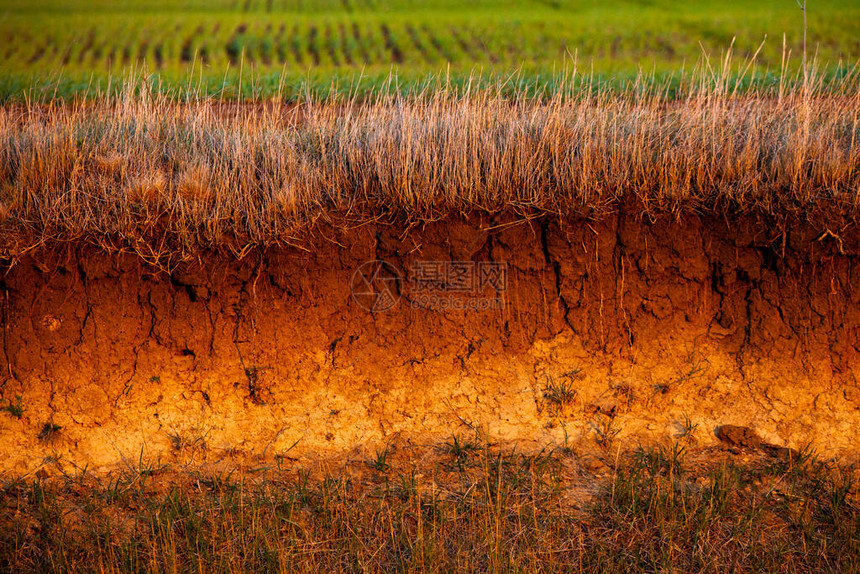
column 612, row 334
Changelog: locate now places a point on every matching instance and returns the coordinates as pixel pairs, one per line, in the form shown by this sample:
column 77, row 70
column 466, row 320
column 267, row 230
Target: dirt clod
column 738, row 436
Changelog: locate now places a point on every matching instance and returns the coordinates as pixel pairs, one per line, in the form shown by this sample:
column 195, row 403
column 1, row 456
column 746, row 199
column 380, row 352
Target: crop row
column 332, row 43
column 240, row 32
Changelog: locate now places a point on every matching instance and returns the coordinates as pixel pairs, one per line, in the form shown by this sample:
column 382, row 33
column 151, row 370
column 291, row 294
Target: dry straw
column 157, row 176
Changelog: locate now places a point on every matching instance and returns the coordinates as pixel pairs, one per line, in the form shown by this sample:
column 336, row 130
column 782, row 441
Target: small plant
column 803, row 461
column 560, row 392
column 688, row 427
column 836, row 503
column 48, row 431
column 380, row 462
column 408, row 485
column 15, row 409
column 605, row 431
column 698, row 366
column 140, row 472
column 461, row 450
column 566, row 448
column 660, row 461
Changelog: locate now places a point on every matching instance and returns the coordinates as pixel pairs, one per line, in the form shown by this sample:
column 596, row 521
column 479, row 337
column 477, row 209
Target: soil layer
column 585, row 334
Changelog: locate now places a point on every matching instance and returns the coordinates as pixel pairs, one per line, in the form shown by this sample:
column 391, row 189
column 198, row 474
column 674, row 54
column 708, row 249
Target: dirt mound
column 562, row 332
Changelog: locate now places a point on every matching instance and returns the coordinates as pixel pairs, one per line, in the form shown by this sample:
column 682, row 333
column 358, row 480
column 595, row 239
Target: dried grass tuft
column 258, row 173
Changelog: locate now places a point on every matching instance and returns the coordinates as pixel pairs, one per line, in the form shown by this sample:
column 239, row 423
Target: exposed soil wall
column 611, row 331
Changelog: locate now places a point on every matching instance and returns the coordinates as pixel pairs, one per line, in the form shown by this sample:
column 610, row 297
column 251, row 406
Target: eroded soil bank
column 619, row 331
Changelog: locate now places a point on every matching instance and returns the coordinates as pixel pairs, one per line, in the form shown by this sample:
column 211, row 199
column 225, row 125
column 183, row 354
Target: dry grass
column 165, row 178
column 496, row 511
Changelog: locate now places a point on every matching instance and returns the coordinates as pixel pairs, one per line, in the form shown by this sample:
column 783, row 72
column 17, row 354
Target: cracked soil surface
column 621, row 330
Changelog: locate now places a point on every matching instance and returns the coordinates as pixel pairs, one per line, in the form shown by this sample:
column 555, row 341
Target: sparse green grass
column 72, row 47
column 16, row 409
column 606, row 430
column 380, row 461
column 688, row 427
column 659, row 509
column 560, row 392
column 461, row 449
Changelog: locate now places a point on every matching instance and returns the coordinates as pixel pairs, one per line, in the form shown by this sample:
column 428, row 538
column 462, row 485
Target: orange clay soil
column 612, row 331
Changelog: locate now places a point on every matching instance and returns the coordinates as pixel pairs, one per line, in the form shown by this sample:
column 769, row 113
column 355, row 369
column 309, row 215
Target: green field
column 78, row 43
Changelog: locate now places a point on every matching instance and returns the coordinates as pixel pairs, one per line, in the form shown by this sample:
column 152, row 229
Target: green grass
column 653, row 510
column 73, row 46
column 15, row 409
